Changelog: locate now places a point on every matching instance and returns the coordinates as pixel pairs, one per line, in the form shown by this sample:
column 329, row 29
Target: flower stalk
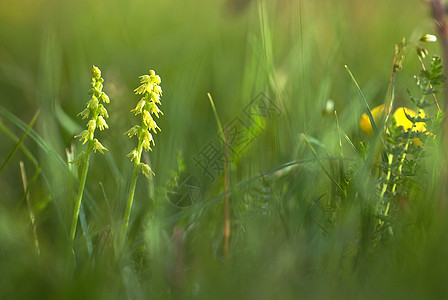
column 97, row 114
column 147, row 108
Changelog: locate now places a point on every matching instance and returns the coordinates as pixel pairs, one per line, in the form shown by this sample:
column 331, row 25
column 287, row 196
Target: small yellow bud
column 133, row 154
column 147, row 139
column 140, row 90
column 85, row 113
column 154, row 109
column 329, row 107
column 139, row 107
column 428, row 38
column 93, row 103
column 146, row 170
column 152, row 73
column 158, row 89
column 147, row 118
column 153, row 125
column 105, row 97
column 80, row 159
column 156, row 98
column 96, row 73
column 145, row 79
column 91, row 125
column 149, row 87
column 97, row 146
column 157, row 79
column 422, row 52
column 133, row 131
column 102, row 123
column 84, row 135
column 102, row 111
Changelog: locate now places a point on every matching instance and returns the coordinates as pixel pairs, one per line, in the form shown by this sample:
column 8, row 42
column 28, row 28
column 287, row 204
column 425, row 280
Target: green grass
column 302, row 191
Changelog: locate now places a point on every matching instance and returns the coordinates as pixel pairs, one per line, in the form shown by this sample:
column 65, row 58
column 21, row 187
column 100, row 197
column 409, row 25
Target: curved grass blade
column 35, row 137
column 20, row 142
column 363, row 98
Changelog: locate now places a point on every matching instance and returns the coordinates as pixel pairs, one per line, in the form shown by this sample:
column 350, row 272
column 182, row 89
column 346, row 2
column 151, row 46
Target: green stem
column 82, row 183
column 135, row 173
column 400, row 168
column 385, row 186
column 400, row 165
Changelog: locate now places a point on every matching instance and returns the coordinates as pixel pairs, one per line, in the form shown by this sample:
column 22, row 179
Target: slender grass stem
column 385, row 186
column 30, row 207
column 135, row 174
column 388, row 176
column 127, row 214
column 225, row 137
column 400, row 166
column 364, row 100
column 226, row 232
column 82, row 183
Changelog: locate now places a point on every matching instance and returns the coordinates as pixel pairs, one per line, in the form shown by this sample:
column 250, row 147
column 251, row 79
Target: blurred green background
column 292, row 51
column 297, row 57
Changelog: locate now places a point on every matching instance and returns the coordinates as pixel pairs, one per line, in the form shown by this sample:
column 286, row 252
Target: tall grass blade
column 364, row 100
column 20, row 142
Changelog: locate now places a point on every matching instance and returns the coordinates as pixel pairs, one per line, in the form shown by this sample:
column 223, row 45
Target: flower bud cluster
column 96, row 112
column 147, row 107
column 427, row 38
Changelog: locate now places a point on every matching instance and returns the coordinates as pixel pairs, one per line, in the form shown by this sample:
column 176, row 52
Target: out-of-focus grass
column 294, row 52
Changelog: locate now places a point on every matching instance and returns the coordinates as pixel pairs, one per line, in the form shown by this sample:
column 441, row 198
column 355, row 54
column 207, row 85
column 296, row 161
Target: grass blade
column 363, row 98
column 20, row 142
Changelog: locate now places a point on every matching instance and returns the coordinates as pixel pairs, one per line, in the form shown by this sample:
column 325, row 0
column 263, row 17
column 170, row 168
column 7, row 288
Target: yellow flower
column 138, row 109
column 98, row 146
column 85, row 113
column 400, row 119
column 146, row 170
column 154, row 109
column 133, row 131
column 102, row 111
column 133, row 154
column 84, row 135
column 102, row 123
column 93, row 103
column 377, row 113
column 91, row 125
column 105, row 97
column 403, row 121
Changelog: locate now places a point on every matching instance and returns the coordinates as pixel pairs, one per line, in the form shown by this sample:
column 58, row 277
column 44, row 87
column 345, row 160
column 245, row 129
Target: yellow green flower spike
column 147, row 107
column 97, row 113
